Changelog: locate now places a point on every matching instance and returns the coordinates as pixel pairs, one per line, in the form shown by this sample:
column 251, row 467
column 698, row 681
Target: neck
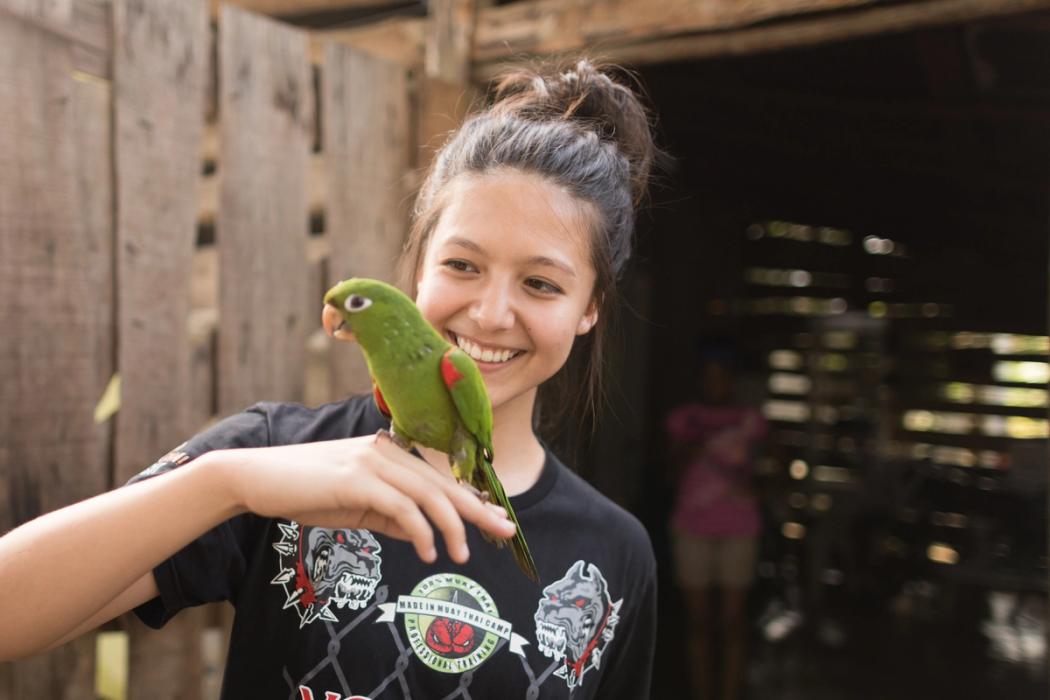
column 519, row 455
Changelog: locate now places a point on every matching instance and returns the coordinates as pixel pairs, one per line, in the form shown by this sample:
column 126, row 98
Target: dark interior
column 876, row 210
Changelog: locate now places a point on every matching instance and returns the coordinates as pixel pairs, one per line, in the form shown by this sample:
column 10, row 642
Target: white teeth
column 484, row 355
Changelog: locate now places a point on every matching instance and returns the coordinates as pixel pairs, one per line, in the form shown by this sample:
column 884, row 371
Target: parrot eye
column 355, row 303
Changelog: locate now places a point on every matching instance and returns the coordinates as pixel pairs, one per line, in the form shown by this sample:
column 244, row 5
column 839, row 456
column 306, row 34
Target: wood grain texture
column 267, row 121
column 812, row 31
column 55, row 277
column 442, row 108
column 165, row 664
column 279, row 8
column 554, row 26
column 450, row 39
column 159, row 65
column 399, row 39
column 368, row 142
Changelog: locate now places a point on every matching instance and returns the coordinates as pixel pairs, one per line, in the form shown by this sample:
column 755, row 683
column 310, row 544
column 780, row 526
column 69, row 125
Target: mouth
column 484, row 354
column 334, row 323
column 551, row 639
column 354, row 590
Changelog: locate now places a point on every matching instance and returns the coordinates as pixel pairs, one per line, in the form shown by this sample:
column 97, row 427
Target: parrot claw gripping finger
column 483, row 495
column 393, row 437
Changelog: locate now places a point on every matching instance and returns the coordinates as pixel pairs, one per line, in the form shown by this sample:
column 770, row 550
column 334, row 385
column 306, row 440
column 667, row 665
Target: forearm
column 60, row 569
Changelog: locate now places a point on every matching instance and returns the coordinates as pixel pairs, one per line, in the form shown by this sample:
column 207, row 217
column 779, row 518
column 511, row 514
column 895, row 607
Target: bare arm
column 97, row 555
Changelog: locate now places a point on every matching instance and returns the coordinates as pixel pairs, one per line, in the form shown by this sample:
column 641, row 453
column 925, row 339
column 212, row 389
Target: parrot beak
column 333, row 323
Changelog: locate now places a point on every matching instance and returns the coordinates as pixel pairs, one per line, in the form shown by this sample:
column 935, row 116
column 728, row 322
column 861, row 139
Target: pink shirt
column 714, row 498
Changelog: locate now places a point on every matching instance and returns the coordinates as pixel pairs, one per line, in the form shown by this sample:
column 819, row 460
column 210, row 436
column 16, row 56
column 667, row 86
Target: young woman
column 356, row 568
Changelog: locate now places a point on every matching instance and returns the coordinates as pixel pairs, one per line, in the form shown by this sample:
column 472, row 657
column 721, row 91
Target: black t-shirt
column 338, row 614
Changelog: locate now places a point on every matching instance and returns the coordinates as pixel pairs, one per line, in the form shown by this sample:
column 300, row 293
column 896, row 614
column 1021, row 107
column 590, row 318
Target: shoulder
column 271, row 423
column 291, row 423
column 612, row 526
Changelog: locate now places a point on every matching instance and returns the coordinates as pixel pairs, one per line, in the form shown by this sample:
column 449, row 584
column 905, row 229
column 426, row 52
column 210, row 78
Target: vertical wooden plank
column 159, row 65
column 367, row 142
column 266, row 113
column 165, row 664
column 441, row 109
column 159, row 75
column 450, row 39
column 55, row 275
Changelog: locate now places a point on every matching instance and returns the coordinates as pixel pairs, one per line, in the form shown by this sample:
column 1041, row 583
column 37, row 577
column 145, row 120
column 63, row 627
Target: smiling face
column 507, row 276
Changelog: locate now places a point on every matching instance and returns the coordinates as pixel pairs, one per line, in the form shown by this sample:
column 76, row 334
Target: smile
column 484, row 353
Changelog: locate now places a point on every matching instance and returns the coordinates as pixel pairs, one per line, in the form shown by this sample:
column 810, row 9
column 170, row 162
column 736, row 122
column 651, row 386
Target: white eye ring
column 356, row 302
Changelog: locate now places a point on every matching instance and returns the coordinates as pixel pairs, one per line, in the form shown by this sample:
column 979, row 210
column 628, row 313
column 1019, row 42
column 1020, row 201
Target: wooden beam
column 742, row 39
column 399, row 40
column 670, row 30
column 556, row 26
column 822, row 30
column 288, row 8
column 450, row 39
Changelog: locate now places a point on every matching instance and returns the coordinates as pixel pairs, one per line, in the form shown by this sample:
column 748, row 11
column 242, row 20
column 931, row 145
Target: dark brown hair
column 586, row 132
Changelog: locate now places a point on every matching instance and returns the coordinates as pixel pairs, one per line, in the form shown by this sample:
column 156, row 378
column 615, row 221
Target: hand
column 361, row 483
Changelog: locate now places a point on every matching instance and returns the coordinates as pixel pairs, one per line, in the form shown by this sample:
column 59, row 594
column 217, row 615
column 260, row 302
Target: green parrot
column 431, row 390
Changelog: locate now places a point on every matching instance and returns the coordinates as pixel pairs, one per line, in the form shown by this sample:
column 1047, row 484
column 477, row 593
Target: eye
column 356, row 302
column 580, row 602
column 459, row 265
column 542, row 286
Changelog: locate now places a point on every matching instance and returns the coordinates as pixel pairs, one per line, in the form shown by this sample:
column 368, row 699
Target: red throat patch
column 449, row 373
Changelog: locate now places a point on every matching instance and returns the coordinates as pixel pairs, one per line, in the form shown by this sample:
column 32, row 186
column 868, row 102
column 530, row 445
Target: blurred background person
column 714, row 442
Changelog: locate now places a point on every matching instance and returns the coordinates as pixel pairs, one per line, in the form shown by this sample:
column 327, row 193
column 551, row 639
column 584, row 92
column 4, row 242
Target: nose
column 494, row 309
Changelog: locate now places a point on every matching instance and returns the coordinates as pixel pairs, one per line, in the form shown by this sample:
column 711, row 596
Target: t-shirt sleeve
column 210, row 568
column 631, row 665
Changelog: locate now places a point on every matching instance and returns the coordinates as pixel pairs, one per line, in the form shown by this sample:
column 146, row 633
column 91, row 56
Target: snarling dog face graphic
column 575, row 621
column 342, row 565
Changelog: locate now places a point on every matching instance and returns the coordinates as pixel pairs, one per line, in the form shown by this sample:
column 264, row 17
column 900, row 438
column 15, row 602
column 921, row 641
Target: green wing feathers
column 473, row 461
column 489, row 483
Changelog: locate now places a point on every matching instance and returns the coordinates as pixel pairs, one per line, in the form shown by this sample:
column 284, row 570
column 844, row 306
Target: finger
column 490, row 517
column 391, row 503
column 437, row 505
column 338, row 520
column 469, row 506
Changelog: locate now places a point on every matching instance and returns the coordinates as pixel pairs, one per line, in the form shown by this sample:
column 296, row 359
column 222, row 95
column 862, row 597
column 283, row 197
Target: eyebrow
column 534, row 260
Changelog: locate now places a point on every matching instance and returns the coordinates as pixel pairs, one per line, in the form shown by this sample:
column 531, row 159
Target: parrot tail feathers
column 518, row 546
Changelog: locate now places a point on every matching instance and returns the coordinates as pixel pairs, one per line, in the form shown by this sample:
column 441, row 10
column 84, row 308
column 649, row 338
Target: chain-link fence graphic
column 404, row 653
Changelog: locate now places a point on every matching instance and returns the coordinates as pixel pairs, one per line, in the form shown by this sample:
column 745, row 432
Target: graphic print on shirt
column 575, row 621
column 307, row 694
column 319, row 567
column 174, row 458
column 452, row 623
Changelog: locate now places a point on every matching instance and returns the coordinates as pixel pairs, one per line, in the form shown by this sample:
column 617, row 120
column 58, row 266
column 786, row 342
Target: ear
column 588, row 319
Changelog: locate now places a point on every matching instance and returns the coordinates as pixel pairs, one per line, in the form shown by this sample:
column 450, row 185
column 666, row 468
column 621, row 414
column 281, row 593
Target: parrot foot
column 383, row 434
column 483, row 495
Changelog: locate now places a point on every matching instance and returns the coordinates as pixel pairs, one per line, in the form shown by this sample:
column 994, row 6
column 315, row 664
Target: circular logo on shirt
column 452, row 622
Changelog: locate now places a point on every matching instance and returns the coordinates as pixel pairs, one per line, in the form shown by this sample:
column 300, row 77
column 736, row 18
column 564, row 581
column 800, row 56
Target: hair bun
column 585, row 93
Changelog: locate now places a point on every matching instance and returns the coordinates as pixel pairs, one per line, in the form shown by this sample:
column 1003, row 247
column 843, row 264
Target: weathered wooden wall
column 152, row 227
column 55, row 254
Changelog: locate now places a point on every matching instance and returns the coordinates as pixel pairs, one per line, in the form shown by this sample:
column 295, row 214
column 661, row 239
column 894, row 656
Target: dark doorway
column 868, row 223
